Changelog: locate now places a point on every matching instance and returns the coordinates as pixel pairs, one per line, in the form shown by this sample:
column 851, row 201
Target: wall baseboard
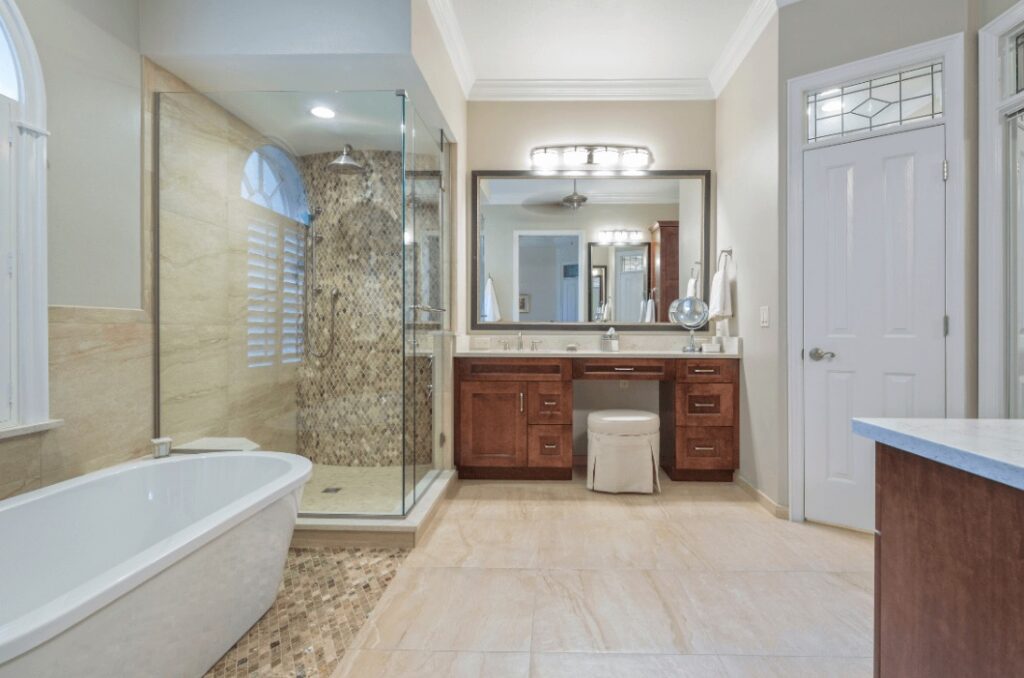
column 763, row 499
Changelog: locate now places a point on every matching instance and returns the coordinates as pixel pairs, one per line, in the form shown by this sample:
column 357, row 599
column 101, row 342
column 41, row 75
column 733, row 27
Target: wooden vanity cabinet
column 514, row 415
column 514, row 418
column 700, row 420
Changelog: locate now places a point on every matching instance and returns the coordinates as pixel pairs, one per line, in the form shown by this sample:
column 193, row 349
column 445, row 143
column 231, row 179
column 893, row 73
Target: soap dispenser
column 610, row 341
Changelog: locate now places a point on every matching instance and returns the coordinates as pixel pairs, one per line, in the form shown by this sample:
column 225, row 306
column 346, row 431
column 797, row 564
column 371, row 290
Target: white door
column 874, row 296
column 630, row 284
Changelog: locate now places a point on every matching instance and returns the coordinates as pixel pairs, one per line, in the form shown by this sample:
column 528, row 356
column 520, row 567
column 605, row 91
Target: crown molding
column 455, row 44
column 681, row 89
column 743, row 38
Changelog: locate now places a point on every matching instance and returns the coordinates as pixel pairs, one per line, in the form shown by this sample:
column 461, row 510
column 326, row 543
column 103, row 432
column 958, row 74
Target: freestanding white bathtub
column 151, row 568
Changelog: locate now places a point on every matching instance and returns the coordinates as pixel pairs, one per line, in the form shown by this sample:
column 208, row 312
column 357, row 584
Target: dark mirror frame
column 474, row 301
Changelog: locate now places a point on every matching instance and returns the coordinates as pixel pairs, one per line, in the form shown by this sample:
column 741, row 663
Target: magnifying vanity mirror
column 564, row 251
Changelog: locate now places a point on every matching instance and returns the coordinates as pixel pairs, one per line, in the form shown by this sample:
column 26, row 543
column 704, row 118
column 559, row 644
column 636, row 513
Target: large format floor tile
column 547, row 579
column 489, row 610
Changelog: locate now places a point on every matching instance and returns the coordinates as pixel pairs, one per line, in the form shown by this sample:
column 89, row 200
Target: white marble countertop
column 499, row 353
column 989, row 448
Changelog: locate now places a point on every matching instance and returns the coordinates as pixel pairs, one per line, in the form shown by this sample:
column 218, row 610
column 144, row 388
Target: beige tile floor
column 539, row 579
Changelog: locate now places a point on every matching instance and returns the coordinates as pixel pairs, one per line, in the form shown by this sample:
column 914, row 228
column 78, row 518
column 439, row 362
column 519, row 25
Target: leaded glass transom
column 885, row 101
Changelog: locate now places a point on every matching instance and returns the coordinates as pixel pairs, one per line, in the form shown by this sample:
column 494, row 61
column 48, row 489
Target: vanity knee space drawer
column 550, row 446
column 706, row 447
column 705, row 404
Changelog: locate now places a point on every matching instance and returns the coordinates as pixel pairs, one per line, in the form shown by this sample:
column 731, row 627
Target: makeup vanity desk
column 513, row 410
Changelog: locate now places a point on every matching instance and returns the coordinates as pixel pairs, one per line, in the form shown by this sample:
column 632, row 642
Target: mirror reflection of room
column 588, row 250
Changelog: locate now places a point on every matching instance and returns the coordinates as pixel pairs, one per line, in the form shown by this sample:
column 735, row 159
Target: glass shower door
column 426, row 306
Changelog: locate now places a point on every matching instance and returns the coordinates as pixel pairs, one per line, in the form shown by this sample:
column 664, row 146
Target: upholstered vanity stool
column 622, row 451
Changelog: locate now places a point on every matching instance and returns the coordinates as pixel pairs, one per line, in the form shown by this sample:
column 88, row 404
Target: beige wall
column 101, row 333
column 747, row 155
column 93, row 75
column 681, row 134
column 207, row 387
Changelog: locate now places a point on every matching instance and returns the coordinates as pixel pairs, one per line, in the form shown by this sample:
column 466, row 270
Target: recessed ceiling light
column 322, row 112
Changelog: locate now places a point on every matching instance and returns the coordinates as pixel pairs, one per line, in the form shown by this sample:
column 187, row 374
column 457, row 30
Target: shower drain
column 331, row 490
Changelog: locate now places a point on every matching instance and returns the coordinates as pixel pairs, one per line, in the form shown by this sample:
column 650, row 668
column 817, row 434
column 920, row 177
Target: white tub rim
column 49, row 620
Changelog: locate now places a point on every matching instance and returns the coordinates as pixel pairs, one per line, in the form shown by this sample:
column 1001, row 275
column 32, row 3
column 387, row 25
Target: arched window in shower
column 276, row 257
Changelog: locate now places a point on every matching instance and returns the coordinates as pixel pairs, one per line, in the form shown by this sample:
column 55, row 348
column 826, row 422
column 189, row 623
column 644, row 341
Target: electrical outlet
column 766, row 319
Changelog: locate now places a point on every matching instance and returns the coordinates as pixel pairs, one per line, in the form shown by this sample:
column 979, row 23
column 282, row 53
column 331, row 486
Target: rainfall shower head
column 345, row 163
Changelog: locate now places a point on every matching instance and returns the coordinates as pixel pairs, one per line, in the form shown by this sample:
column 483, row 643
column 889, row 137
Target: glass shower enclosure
column 301, row 264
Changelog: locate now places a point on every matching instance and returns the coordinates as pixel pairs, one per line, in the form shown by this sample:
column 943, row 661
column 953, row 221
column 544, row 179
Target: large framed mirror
column 564, row 251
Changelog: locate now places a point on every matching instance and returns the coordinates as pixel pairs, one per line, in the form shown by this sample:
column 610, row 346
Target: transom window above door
column 884, row 101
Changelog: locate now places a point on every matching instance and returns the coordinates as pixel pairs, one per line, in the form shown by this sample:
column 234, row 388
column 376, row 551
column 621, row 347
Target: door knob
column 817, row 354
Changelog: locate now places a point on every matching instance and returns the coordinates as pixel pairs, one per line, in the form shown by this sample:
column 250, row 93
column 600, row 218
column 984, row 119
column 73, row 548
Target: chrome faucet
column 519, row 342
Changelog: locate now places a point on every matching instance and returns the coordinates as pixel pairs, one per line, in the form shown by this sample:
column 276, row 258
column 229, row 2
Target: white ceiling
column 599, row 49
column 617, row 191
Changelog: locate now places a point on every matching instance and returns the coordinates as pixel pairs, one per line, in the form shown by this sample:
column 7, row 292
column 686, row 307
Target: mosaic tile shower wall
column 350, row 400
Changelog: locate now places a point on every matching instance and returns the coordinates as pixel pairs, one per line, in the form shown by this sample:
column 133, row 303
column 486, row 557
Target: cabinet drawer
column 707, row 371
column 513, row 369
column 706, row 448
column 550, row 402
column 621, row 368
column 550, row 447
column 705, row 404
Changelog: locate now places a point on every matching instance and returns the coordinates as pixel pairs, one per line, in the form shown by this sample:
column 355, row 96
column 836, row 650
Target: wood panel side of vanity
column 949, row 574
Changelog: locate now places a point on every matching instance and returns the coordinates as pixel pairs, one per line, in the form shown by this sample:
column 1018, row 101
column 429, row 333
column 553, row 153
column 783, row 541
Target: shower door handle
column 428, row 309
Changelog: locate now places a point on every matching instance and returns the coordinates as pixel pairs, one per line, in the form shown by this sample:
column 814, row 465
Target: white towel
column 691, row 287
column 649, row 311
column 491, row 311
column 720, row 305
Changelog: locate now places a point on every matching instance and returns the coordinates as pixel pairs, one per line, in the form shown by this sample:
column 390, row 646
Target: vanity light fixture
column 620, row 236
column 322, row 112
column 589, row 158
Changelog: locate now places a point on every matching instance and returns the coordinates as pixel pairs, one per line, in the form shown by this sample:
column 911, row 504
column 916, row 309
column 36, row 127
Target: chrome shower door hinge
column 945, row 170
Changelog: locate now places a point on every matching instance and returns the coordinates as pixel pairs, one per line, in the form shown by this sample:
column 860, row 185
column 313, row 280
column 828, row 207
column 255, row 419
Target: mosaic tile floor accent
column 325, row 598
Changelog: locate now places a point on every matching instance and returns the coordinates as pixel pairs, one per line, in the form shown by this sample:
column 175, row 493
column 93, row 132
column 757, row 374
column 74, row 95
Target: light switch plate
column 766, row 318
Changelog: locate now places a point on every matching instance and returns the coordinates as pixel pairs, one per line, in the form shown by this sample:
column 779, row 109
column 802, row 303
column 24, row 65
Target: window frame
column 30, row 387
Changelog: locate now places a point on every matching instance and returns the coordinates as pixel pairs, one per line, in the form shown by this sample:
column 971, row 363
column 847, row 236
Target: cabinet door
column 492, row 424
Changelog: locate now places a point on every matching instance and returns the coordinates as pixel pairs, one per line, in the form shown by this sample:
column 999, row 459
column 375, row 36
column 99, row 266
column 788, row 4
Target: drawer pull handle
column 697, row 370
column 703, row 404
column 550, row 403
column 704, row 449
column 624, row 369
column 551, row 446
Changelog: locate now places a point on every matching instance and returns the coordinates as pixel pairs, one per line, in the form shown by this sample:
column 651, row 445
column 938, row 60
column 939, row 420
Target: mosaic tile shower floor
column 325, row 598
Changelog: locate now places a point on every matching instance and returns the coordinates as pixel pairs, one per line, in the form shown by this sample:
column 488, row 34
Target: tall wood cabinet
column 665, row 271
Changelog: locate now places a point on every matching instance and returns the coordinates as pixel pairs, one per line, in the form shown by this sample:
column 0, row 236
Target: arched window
column 277, row 258
column 24, row 381
column 270, row 179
